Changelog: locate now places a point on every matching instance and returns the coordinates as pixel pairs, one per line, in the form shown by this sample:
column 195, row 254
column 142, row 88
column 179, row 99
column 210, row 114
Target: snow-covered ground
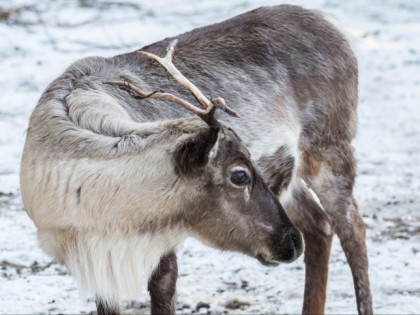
column 44, row 37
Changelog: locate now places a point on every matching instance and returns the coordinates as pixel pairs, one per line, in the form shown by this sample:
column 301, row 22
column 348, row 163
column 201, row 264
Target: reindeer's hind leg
column 162, row 285
column 315, row 226
column 333, row 184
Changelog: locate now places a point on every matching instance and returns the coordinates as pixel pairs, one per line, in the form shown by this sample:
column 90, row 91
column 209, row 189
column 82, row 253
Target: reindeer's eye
column 239, row 177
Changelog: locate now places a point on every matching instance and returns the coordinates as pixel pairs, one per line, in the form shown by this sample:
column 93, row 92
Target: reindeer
column 115, row 176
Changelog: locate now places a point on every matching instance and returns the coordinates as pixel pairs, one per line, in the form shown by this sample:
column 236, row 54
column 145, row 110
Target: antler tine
column 166, row 63
column 220, row 102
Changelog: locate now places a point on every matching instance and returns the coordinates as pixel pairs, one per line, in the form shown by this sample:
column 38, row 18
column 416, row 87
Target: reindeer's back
column 273, row 63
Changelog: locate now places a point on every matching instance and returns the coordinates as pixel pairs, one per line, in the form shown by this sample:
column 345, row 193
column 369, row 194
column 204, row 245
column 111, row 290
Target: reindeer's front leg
column 162, row 285
column 105, row 308
column 315, row 226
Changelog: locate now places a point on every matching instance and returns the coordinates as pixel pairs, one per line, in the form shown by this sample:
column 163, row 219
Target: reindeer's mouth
column 266, row 261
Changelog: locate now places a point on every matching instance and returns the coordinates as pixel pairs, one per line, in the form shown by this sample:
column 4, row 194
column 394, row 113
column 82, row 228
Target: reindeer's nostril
column 290, row 244
column 297, row 243
column 290, row 249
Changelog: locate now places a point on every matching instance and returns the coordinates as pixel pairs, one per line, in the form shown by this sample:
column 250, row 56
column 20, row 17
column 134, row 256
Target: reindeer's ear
column 193, row 154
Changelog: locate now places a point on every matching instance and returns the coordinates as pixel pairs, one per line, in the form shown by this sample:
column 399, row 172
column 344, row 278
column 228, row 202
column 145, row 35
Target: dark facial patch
column 192, row 155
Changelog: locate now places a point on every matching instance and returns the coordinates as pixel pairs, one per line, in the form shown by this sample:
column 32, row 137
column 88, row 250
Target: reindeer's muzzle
column 292, row 247
column 287, row 250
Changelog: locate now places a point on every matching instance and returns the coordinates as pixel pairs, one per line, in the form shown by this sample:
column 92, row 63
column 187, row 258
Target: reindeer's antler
column 166, row 62
column 158, row 95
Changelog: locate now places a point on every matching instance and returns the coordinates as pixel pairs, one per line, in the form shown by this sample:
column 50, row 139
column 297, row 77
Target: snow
column 41, row 40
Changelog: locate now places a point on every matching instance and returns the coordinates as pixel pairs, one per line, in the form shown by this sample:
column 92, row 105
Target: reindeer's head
column 227, row 205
